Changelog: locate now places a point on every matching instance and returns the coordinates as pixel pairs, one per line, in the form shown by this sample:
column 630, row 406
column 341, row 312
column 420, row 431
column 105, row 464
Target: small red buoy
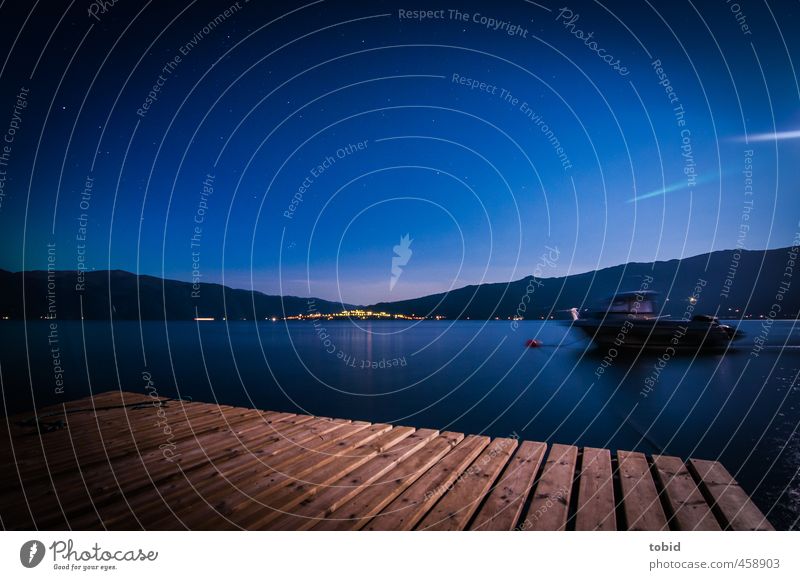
column 533, row 343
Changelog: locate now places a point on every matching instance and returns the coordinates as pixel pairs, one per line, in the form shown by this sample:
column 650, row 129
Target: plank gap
column 715, row 509
column 661, row 490
column 619, row 509
column 572, row 507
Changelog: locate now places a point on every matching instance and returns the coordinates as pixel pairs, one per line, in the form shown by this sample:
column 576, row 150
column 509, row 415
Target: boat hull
column 679, row 335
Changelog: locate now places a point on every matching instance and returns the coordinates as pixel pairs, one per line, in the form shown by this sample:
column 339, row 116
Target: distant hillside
column 133, row 297
column 758, row 273
column 756, row 279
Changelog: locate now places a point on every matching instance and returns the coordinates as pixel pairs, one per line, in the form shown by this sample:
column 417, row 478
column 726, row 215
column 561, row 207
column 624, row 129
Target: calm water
column 475, row 377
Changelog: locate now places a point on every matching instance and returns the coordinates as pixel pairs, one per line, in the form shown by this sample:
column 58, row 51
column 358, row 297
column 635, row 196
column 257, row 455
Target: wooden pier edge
column 121, row 460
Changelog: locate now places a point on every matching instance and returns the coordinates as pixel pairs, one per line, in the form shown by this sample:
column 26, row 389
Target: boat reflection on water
column 630, row 320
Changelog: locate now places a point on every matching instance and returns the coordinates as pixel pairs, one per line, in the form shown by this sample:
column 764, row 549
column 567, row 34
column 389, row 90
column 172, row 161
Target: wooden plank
column 226, row 440
column 689, row 508
column 128, row 472
column 139, row 447
column 130, row 475
column 640, row 499
column 229, row 461
column 503, row 506
column 326, row 499
column 730, row 502
column 596, row 510
column 286, row 498
column 232, row 493
column 118, row 415
column 88, row 425
column 107, row 399
column 411, row 505
column 48, row 472
column 550, row 504
column 116, row 438
column 116, row 482
column 462, row 498
column 356, row 512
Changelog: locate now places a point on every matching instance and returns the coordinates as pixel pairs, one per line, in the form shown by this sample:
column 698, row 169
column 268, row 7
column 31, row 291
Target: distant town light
column 358, row 313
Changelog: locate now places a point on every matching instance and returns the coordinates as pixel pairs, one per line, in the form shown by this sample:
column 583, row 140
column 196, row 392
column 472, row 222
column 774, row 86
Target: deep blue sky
column 269, row 93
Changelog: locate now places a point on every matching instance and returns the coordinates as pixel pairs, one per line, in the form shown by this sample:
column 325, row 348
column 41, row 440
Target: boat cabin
column 642, row 304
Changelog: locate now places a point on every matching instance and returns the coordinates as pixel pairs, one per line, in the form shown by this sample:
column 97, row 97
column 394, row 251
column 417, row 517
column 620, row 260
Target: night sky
column 288, row 147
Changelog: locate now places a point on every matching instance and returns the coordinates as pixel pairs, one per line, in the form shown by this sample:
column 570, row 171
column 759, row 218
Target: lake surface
column 469, row 376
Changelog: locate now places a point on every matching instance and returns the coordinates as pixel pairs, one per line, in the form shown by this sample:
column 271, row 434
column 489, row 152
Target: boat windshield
column 630, row 305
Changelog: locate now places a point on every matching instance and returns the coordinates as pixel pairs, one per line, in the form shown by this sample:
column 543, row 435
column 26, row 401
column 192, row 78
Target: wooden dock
column 131, row 461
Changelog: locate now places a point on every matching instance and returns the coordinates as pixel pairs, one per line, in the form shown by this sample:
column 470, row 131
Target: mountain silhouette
column 136, row 297
column 731, row 284
column 734, row 280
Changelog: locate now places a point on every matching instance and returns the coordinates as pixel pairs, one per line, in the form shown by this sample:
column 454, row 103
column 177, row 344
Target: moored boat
column 630, row 320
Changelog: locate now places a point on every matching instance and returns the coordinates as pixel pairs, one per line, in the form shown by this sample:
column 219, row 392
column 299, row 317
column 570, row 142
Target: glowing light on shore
column 360, row 314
